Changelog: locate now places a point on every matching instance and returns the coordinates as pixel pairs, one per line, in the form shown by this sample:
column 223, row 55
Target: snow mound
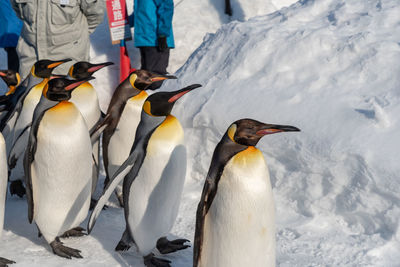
column 330, row 68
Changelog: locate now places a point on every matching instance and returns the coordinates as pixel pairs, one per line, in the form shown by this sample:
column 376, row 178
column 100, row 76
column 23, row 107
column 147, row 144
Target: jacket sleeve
column 165, row 12
column 94, row 12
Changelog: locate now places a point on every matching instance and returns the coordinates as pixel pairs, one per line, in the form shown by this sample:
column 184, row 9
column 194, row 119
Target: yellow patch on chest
column 62, row 113
column 141, row 97
column 247, row 157
column 169, row 132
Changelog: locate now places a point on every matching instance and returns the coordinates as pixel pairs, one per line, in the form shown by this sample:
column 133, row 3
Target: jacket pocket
column 70, row 37
column 64, row 11
column 27, row 9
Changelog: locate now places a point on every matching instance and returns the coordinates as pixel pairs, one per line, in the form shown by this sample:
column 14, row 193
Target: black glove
column 162, row 43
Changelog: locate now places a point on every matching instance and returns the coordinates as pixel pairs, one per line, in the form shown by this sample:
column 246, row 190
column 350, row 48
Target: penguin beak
column 96, row 67
column 75, row 83
column 57, row 76
column 2, row 74
column 273, row 128
column 57, row 63
column 178, row 94
column 162, row 78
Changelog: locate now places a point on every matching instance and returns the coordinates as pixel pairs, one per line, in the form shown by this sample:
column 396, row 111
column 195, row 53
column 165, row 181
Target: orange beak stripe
column 177, row 96
column 156, row 79
column 268, row 131
column 74, row 85
column 53, row 65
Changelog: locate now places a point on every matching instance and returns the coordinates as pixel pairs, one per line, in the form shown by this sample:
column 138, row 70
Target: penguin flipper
column 30, row 155
column 98, row 128
column 4, row 262
column 112, row 184
column 209, row 191
column 28, row 159
column 18, row 147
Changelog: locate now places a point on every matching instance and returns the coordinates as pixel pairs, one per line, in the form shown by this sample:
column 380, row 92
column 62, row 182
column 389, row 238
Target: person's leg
column 155, row 61
column 12, row 58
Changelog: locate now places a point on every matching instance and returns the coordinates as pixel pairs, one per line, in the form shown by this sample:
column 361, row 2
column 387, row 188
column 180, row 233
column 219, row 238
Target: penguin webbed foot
column 166, row 246
column 77, row 231
column 151, row 261
column 63, row 251
column 4, row 262
column 122, row 246
column 17, row 188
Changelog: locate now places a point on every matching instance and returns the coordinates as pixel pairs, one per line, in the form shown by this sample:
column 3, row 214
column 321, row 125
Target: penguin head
column 161, row 103
column 60, row 89
column 142, row 79
column 43, row 68
column 83, row 69
column 10, row 77
column 248, row 132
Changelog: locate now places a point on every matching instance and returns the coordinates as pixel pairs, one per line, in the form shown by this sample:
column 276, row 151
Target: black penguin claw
column 63, row 251
column 17, row 188
column 4, row 262
column 165, row 246
column 77, row 231
column 151, row 261
column 122, row 246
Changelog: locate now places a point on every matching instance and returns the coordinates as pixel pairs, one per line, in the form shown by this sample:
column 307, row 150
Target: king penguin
column 42, row 70
column 235, row 219
column 3, row 190
column 122, row 119
column 58, row 167
column 154, row 175
column 12, row 80
column 86, row 100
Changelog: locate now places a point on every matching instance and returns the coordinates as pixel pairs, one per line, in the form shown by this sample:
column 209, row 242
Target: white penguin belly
column 85, row 99
column 239, row 228
column 122, row 140
column 3, row 180
column 155, row 194
column 61, row 171
column 28, row 107
column 24, row 119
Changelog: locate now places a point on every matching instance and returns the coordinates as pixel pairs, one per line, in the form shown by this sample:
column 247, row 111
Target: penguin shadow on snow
column 16, row 220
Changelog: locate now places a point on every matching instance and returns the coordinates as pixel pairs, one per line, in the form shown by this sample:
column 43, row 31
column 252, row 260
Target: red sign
column 118, row 21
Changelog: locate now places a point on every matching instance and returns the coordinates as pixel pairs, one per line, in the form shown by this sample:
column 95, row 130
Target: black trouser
column 12, row 58
column 154, row 60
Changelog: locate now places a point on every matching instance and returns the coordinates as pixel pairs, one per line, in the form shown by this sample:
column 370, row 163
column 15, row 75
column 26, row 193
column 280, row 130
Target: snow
column 329, row 67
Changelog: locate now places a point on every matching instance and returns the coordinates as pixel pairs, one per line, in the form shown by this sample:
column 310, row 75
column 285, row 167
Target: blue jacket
column 153, row 18
column 10, row 25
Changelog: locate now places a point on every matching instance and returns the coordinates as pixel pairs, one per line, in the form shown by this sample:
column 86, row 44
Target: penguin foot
column 4, row 262
column 63, row 251
column 151, row 261
column 165, row 246
column 77, row 231
column 17, row 188
column 122, row 246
